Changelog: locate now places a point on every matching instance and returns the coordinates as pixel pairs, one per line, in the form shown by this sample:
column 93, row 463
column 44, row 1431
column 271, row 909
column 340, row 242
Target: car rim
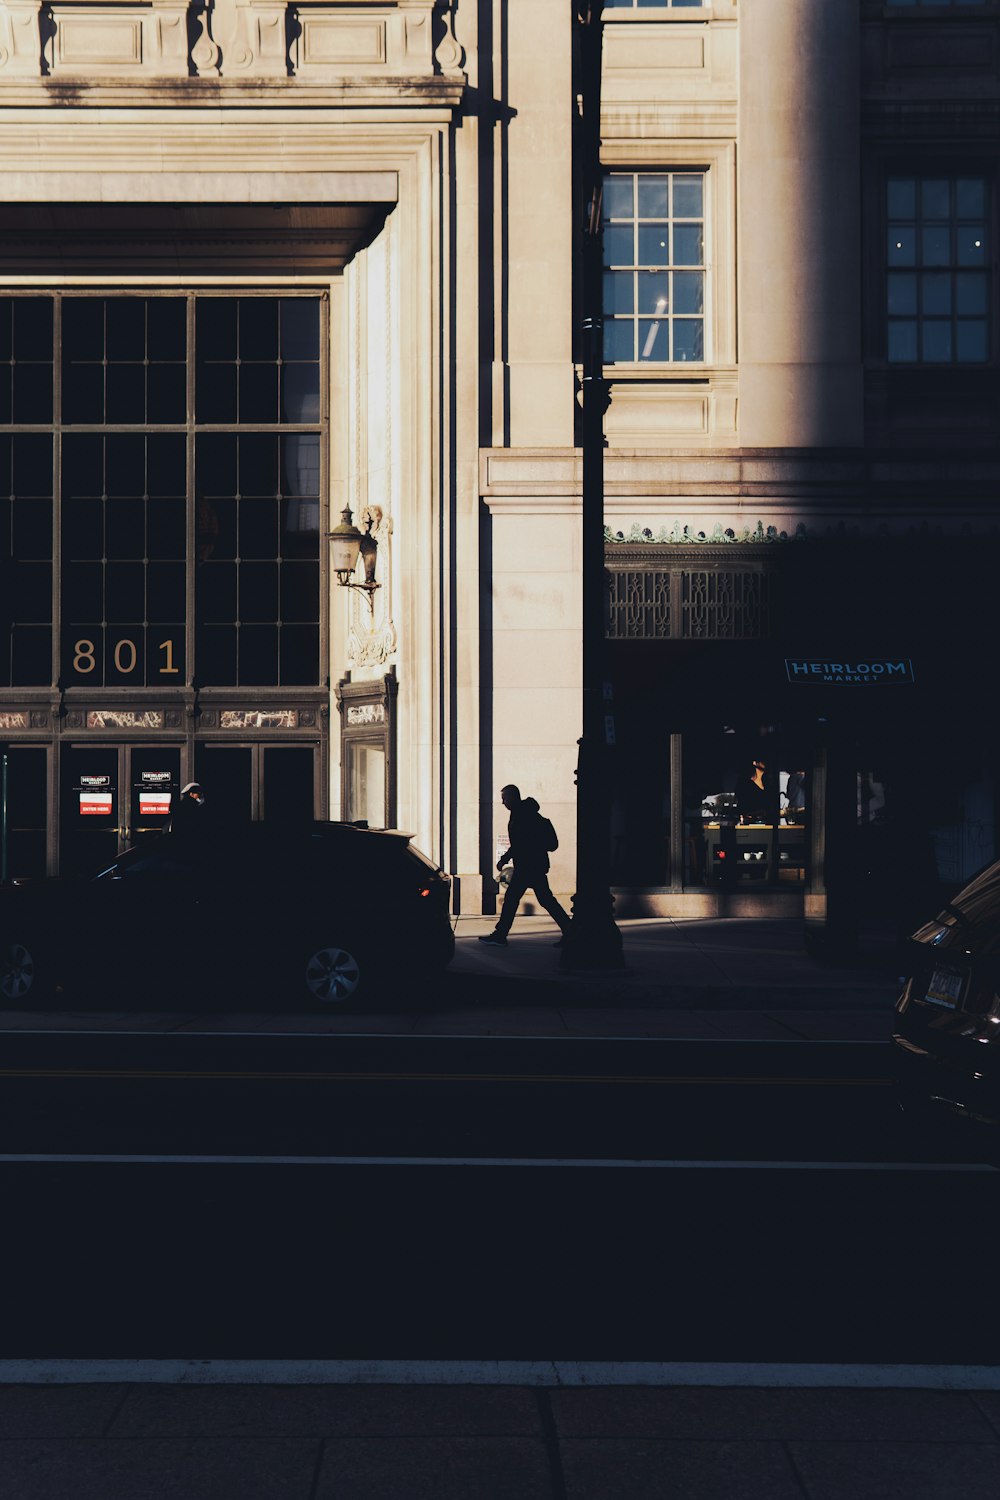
column 18, row 972
column 332, row 975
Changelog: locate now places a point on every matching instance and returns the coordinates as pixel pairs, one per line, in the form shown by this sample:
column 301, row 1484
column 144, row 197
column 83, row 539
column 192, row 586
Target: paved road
column 449, row 1198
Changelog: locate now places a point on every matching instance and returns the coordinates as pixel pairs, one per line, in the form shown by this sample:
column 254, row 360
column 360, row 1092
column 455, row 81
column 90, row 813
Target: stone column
column 800, row 376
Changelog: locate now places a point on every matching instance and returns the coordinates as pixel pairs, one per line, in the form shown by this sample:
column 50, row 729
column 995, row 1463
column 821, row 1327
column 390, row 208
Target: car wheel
column 19, row 975
column 334, row 976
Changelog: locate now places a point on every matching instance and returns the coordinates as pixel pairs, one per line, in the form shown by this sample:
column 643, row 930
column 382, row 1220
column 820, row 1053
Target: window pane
column 83, row 328
column 166, row 529
column 215, row 328
column 258, row 591
column 258, row 464
column 300, row 393
column 970, row 292
column 125, row 324
column 299, row 318
column 936, row 292
column 258, row 319
column 619, row 245
column 258, row 521
column 935, row 198
column 935, row 246
column 617, row 197
column 653, row 245
column 83, row 392
column 215, row 463
column 125, row 393
column 31, row 656
column 902, row 245
column 166, row 323
column 215, row 592
column 652, row 196
column 937, row 342
column 970, row 198
column 300, row 464
column 618, row 290
column 165, row 591
column 6, row 390
column 688, row 250
column 126, row 464
column 31, row 529
column 6, row 327
column 32, row 330
column 902, row 342
column 902, row 293
column 970, row 339
column 689, row 289
column 688, row 196
column 125, row 589
column 688, row 339
column 258, row 655
column 299, row 654
column 300, row 591
column 125, row 528
column 258, row 393
column 32, row 393
column 619, row 344
column 901, row 197
column 215, row 393
column 82, row 528
column 653, row 289
column 167, row 393
column 32, row 464
column 654, row 339
column 216, row 660
column 971, row 245
column 166, row 464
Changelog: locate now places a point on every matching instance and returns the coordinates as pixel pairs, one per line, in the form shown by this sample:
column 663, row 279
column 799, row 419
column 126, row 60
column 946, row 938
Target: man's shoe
column 493, row 940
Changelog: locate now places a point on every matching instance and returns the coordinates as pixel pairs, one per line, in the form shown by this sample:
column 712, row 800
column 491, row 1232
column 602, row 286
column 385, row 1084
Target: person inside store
column 753, row 794
column 795, row 797
column 531, row 838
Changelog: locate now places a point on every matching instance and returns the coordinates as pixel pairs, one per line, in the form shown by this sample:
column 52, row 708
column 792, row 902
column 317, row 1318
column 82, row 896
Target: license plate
column 944, row 989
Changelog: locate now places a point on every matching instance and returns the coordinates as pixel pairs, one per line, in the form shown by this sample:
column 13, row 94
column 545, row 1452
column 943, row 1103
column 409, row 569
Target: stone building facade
column 263, row 261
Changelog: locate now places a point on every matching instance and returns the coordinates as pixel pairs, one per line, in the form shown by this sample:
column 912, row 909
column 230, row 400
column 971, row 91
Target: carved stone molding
column 20, row 38
column 114, row 40
column 448, row 51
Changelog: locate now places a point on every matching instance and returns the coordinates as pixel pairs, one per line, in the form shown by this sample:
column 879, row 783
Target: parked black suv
column 325, row 914
column 947, row 1036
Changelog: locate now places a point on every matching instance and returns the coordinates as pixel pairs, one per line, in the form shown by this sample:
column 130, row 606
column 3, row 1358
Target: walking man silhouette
column 531, row 837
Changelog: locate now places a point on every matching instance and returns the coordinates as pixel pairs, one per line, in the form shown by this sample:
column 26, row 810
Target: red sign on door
column 95, row 804
column 154, row 804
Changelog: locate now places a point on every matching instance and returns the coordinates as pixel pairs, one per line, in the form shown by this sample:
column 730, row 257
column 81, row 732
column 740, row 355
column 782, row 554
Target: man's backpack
column 548, row 835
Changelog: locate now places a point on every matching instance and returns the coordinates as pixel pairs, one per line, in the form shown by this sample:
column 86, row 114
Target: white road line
column 492, row 1372
column 85, row 1158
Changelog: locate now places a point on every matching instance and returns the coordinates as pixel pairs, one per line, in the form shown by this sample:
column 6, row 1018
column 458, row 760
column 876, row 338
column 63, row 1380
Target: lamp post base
column 593, row 941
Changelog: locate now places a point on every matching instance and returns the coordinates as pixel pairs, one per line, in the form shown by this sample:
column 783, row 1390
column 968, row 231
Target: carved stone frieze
column 115, row 40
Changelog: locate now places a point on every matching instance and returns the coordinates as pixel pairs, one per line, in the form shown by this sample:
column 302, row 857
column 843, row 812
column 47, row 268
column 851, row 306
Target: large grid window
column 173, row 445
column 654, row 258
column 937, row 277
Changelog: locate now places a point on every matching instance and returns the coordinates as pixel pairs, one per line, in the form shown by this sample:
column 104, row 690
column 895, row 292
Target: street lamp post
column 594, row 941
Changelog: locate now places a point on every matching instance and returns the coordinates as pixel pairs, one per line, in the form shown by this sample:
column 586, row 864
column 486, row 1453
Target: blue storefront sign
column 859, row 672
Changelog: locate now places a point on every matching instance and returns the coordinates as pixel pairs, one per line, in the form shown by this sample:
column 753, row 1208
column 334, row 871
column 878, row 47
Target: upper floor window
column 937, row 279
column 653, row 4
column 654, row 258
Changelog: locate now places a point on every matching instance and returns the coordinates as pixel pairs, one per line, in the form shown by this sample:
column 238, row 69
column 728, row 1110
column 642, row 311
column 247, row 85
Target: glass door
column 111, row 796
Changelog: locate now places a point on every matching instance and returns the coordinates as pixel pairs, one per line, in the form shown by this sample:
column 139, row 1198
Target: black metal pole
column 594, row 941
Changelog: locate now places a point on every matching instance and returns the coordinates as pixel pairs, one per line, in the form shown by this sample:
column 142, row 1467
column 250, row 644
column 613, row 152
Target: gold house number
column 126, row 656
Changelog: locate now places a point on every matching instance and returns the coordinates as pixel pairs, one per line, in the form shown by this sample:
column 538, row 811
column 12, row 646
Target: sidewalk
column 366, row 1442
column 721, row 979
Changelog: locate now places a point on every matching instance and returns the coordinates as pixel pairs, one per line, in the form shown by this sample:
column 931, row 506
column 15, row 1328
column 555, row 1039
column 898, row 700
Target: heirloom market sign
column 864, row 672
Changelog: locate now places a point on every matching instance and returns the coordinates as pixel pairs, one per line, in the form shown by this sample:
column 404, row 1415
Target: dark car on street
column 947, row 1032
column 327, row 915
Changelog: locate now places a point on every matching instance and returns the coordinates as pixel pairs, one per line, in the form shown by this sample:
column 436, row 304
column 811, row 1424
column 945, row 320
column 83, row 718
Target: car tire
column 336, row 977
column 22, row 977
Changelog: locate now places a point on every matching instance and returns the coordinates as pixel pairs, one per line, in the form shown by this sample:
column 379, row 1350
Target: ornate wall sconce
column 347, row 544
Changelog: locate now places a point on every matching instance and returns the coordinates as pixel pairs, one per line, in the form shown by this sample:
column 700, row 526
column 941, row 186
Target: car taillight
column 425, row 890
